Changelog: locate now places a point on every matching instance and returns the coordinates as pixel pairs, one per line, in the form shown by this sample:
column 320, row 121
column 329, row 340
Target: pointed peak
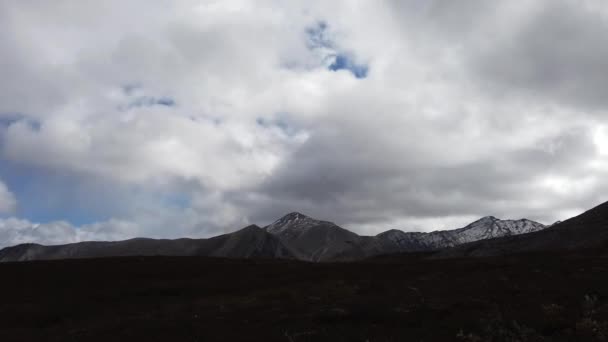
column 391, row 231
column 488, row 218
column 294, row 216
column 483, row 222
column 294, row 220
column 396, row 234
column 251, row 227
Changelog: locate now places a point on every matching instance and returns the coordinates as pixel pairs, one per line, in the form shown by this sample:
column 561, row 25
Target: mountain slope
column 293, row 236
column 315, row 240
column 485, row 228
column 248, row 242
column 586, row 231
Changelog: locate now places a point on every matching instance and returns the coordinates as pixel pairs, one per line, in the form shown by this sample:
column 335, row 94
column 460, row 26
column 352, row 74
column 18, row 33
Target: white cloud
column 15, row 231
column 8, row 202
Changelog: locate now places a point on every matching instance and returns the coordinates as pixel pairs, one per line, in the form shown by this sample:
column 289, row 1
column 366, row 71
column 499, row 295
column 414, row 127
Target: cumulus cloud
column 16, row 231
column 198, row 118
column 8, row 202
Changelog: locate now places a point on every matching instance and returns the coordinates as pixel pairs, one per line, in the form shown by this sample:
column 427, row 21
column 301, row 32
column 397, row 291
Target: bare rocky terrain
column 294, row 236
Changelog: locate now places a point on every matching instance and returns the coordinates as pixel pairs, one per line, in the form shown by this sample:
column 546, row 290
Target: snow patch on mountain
column 485, row 228
column 293, row 221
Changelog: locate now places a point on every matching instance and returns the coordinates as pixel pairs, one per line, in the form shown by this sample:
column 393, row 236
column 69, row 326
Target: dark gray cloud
column 357, row 184
column 558, row 53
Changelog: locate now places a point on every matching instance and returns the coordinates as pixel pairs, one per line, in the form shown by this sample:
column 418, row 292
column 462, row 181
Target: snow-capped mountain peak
column 485, row 228
column 491, row 227
column 491, row 223
column 294, row 220
column 489, row 218
column 294, row 235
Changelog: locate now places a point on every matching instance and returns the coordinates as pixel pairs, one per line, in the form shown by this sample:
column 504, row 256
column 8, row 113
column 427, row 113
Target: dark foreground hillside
column 403, row 298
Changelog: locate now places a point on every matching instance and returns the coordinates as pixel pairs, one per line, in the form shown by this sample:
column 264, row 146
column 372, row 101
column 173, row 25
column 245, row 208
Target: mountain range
column 587, row 232
column 294, row 236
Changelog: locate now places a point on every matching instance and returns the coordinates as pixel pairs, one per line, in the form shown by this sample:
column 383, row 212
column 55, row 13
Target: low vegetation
column 548, row 297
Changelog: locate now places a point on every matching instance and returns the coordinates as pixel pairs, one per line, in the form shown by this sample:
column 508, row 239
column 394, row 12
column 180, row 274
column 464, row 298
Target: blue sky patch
column 343, row 62
column 137, row 98
column 45, row 196
column 317, row 36
column 165, row 101
column 319, row 40
column 9, row 119
column 149, row 101
column 177, row 200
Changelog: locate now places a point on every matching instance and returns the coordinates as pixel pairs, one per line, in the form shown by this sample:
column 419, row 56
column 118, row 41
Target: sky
column 195, row 118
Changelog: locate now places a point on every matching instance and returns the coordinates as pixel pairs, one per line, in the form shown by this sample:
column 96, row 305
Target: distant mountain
column 485, row 228
column 587, row 231
column 314, row 240
column 294, row 236
column 249, row 242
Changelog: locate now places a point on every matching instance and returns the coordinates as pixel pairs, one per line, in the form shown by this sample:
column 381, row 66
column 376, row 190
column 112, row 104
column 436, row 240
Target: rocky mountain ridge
column 293, row 236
